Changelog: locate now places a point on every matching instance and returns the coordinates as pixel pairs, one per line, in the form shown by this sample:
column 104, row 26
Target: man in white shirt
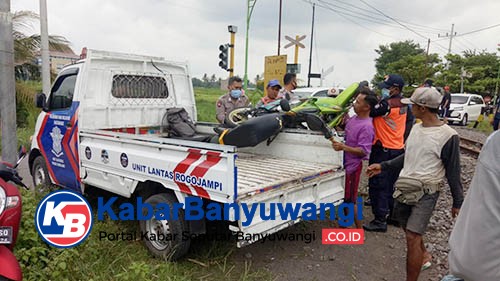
column 432, row 152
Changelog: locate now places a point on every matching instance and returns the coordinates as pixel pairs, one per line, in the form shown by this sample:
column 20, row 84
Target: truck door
column 58, row 135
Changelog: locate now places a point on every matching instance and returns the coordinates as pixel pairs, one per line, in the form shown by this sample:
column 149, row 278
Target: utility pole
column 451, row 35
column 250, row 6
column 311, row 49
column 427, row 57
column 279, row 28
column 428, row 45
column 462, row 74
column 44, row 36
column 7, row 85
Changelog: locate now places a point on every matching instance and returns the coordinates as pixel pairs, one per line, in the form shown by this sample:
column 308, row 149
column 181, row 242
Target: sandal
column 426, row 265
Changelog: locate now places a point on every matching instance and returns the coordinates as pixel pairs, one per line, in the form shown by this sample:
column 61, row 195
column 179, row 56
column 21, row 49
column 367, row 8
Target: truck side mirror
column 40, row 100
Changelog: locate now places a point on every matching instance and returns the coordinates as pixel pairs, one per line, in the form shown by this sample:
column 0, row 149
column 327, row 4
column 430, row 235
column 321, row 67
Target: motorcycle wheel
column 236, row 116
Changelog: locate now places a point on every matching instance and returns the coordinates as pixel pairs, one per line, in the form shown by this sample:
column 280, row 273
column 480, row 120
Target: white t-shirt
column 475, row 239
column 423, row 153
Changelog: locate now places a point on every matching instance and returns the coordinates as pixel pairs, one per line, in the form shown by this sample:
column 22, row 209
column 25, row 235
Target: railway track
column 470, row 146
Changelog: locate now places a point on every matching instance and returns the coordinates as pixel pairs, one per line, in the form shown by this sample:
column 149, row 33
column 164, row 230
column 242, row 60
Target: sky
column 346, row 32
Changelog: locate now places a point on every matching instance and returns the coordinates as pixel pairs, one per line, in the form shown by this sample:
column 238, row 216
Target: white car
column 465, row 108
column 303, row 93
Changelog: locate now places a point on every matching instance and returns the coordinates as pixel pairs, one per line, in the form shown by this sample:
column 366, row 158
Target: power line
column 371, row 14
column 470, row 43
column 343, row 14
column 478, row 30
column 357, row 14
column 466, row 43
column 351, row 20
column 451, row 35
column 464, row 47
column 393, row 19
column 371, row 17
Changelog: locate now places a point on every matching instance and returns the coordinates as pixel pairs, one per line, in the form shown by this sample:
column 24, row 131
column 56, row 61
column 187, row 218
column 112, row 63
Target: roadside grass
column 483, row 126
column 103, row 259
column 26, row 112
column 206, row 99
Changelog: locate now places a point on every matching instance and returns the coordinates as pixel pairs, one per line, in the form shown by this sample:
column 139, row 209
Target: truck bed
column 259, row 173
column 220, row 173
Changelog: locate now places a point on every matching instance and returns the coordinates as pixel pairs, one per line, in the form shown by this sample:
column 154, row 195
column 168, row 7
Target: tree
column 415, row 68
column 27, row 47
column 408, row 60
column 394, row 52
column 197, row 82
column 481, row 70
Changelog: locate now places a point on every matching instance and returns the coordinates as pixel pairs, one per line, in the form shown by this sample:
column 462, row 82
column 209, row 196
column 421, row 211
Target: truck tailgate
column 267, row 181
column 326, row 190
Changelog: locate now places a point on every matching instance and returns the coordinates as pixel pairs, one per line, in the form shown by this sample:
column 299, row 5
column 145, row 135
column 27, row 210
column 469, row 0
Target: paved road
column 24, row 172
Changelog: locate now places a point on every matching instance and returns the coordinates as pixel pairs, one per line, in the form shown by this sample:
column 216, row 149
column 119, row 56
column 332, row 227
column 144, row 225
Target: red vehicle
column 10, row 217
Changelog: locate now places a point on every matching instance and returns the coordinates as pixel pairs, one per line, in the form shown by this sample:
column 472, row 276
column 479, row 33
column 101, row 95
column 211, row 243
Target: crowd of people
column 405, row 162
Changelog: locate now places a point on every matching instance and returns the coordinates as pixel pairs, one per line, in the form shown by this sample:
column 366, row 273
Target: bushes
column 26, row 110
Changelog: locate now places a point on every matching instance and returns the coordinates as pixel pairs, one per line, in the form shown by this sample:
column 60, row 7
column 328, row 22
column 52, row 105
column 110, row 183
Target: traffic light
column 223, row 56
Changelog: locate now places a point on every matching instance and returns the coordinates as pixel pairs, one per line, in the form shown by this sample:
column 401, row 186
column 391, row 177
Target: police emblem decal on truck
column 58, row 143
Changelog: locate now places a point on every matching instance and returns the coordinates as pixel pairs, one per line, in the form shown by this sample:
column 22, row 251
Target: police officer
column 390, row 123
column 235, row 98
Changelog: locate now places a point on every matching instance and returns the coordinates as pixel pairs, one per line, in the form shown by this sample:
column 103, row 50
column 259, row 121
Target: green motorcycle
column 330, row 109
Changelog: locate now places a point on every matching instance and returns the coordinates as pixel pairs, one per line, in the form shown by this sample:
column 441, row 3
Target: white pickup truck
column 102, row 126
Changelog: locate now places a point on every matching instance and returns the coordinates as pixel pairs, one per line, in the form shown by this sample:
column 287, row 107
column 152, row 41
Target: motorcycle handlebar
column 8, row 172
column 17, row 179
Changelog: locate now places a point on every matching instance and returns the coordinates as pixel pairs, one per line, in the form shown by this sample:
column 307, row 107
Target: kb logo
column 63, row 219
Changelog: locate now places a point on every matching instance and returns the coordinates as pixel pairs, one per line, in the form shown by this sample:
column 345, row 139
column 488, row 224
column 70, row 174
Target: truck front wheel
column 40, row 173
column 164, row 237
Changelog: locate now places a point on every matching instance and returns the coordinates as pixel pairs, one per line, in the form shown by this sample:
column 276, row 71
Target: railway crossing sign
column 295, row 42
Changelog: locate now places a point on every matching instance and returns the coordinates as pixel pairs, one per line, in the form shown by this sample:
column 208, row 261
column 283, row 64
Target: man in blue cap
column 389, row 120
column 272, row 91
